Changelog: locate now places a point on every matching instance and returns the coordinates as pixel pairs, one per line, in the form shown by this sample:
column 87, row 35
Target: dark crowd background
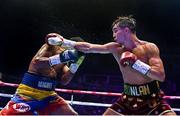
column 25, row 23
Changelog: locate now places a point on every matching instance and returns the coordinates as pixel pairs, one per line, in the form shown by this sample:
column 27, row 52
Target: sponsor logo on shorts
column 21, row 107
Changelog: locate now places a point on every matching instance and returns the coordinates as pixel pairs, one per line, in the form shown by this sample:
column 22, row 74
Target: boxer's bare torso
column 40, row 63
column 147, row 53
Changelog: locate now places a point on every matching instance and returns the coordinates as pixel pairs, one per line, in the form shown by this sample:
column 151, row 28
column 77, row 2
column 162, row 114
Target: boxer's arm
column 67, row 76
column 56, row 39
column 41, row 62
column 41, row 59
column 157, row 69
column 66, row 56
column 68, row 72
column 98, row 48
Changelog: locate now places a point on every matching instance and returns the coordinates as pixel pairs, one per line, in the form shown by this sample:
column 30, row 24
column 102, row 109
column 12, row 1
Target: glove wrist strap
column 53, row 60
column 73, row 67
column 69, row 43
column 141, row 67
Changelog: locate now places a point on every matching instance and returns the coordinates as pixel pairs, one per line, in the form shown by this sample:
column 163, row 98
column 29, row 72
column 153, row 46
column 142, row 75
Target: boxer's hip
column 141, row 99
column 33, row 92
column 37, row 87
column 142, row 90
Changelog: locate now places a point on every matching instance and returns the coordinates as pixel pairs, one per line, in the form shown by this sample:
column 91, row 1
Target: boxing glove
column 74, row 66
column 54, row 39
column 59, row 40
column 65, row 56
column 129, row 59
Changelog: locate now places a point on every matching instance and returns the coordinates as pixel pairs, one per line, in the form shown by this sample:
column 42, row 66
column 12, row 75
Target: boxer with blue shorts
column 36, row 93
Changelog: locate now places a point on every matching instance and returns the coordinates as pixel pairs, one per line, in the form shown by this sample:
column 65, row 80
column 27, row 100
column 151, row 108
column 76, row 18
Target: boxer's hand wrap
column 69, row 43
column 141, row 67
column 65, row 56
column 129, row 59
column 74, row 66
column 61, row 41
column 53, row 60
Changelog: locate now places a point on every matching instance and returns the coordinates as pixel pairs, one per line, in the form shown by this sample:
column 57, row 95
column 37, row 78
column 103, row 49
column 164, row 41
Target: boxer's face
column 118, row 34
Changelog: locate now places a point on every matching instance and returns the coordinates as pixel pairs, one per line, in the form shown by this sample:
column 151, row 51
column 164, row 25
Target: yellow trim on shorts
column 33, row 92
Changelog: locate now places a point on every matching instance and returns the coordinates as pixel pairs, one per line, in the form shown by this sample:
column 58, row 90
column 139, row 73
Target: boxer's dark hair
column 126, row 21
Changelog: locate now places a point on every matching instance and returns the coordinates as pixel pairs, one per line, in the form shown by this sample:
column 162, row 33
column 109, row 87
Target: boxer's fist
column 64, row 57
column 69, row 55
column 74, row 66
column 127, row 58
column 54, row 39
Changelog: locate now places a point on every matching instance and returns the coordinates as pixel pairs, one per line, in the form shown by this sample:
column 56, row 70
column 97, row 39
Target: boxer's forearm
column 82, row 46
column 66, row 78
column 153, row 72
column 91, row 48
column 65, row 75
column 156, row 74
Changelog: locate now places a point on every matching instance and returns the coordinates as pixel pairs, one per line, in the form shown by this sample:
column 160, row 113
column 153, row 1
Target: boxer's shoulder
column 152, row 49
column 147, row 47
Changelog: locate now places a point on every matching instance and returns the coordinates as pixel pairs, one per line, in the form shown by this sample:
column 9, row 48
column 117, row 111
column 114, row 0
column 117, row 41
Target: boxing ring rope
column 83, row 92
column 72, row 102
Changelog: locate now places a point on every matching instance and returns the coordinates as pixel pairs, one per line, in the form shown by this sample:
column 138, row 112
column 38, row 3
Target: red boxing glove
column 127, row 58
